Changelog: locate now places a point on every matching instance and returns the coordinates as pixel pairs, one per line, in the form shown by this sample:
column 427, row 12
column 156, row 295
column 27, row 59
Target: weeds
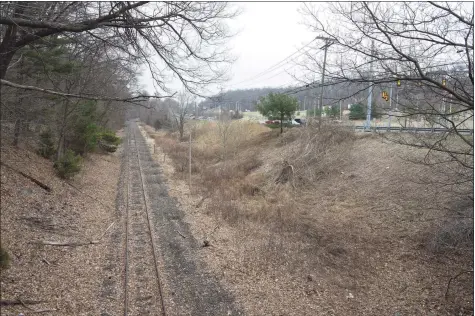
column 311, row 154
column 316, row 154
column 321, row 226
column 456, row 230
column 239, row 194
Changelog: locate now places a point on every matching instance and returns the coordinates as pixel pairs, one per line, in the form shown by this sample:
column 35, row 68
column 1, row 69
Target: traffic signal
column 444, row 82
column 385, row 96
column 399, row 83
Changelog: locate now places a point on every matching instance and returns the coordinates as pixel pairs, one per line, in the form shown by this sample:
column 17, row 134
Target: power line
column 313, row 84
column 285, row 62
column 275, row 66
column 280, row 64
column 273, row 76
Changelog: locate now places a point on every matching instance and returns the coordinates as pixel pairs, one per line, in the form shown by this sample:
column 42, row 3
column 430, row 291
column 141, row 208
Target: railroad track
column 142, row 280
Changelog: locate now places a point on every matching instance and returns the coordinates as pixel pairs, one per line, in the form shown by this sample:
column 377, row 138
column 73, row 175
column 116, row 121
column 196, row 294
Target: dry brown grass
column 318, row 154
column 352, row 219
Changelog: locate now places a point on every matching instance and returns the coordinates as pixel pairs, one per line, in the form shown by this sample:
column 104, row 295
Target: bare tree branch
column 135, row 100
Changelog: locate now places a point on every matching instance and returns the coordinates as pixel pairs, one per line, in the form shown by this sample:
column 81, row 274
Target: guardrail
column 413, row 129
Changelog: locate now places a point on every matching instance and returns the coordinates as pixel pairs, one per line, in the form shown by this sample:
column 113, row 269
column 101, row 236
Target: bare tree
column 180, row 110
column 423, row 53
column 225, row 129
column 69, row 53
column 421, row 50
column 181, row 39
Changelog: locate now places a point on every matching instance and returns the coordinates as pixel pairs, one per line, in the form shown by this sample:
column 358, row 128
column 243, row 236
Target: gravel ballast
column 190, row 288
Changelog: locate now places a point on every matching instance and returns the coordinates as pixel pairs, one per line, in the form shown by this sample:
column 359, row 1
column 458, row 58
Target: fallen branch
column 36, row 310
column 180, row 233
column 73, row 243
column 453, row 278
column 43, row 310
column 66, row 244
column 102, row 236
column 45, row 261
column 24, row 305
column 19, row 302
column 37, row 182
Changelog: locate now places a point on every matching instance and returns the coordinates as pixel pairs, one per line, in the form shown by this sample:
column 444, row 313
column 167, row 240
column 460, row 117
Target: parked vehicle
column 294, row 122
column 301, row 121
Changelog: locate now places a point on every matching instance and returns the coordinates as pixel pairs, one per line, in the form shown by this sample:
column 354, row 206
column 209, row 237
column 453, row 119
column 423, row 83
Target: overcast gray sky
column 270, row 31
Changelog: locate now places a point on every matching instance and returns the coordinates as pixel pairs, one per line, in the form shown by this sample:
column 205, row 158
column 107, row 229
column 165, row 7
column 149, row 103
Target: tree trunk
column 19, row 112
column 5, row 60
column 62, row 132
column 60, row 148
column 7, row 46
column 181, row 129
column 7, row 50
column 281, row 124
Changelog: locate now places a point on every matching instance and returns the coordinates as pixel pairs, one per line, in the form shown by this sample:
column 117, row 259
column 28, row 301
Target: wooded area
column 69, row 69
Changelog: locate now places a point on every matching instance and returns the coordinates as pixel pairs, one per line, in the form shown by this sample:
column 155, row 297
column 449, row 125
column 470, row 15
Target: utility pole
column 328, row 43
column 323, row 81
column 189, row 162
column 397, row 99
column 370, row 91
column 390, row 101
